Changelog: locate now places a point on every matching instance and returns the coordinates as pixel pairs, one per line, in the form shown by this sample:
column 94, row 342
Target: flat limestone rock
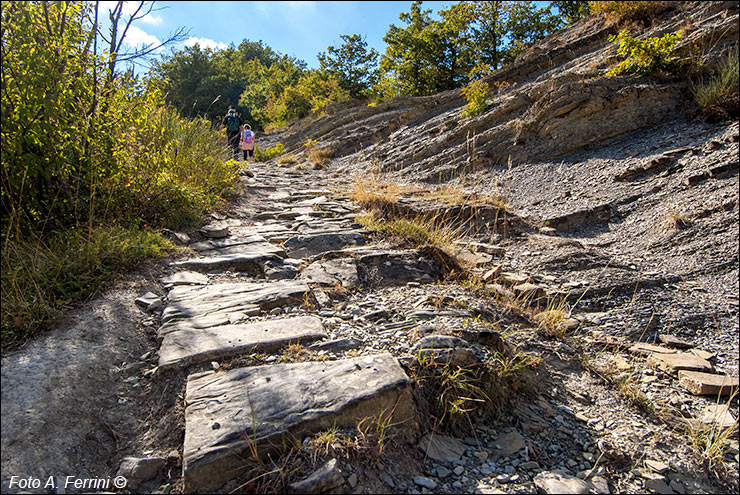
column 673, row 341
column 185, row 278
column 189, row 346
column 342, row 270
column 707, row 383
column 672, row 363
column 208, row 306
column 250, row 258
column 225, row 411
column 312, row 244
column 646, row 349
column 718, row 415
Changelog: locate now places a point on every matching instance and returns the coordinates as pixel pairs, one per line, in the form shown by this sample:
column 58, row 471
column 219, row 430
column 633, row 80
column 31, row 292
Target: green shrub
column 643, row 57
column 717, row 92
column 476, row 91
column 269, row 153
column 40, row 278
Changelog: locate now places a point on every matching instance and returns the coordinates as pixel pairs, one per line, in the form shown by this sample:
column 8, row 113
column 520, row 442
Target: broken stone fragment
column 718, row 415
column 529, row 290
column 445, row 349
column 138, row 470
column 672, row 363
column 493, row 273
column 442, row 448
column 149, row 301
column 548, row 482
column 646, row 349
column 215, row 230
column 707, row 383
column 325, row 478
column 672, row 341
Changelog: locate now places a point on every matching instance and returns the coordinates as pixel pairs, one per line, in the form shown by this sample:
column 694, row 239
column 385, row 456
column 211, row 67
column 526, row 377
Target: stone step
column 226, row 411
column 301, row 246
column 207, row 306
column 189, row 346
column 249, row 258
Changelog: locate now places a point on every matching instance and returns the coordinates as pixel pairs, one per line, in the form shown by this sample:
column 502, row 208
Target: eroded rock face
column 226, row 410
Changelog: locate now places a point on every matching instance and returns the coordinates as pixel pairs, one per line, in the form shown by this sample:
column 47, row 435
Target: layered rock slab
column 189, row 346
column 226, row 411
column 312, row 244
column 249, row 258
column 191, row 307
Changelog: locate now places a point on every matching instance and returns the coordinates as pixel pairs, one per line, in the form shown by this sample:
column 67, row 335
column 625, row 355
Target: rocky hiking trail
column 288, row 319
column 286, row 347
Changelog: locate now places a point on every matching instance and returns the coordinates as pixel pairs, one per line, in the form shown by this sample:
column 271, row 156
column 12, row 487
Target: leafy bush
column 476, row 92
column 717, row 92
column 645, row 57
column 269, row 153
column 89, row 157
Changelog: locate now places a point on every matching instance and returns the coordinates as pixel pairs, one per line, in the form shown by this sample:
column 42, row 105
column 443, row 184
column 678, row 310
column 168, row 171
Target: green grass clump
column 269, row 153
column 39, row 279
column 717, row 93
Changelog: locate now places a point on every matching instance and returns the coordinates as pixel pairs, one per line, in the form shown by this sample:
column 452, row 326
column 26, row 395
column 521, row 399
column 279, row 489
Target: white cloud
column 136, row 37
column 154, row 20
column 128, row 10
column 206, row 43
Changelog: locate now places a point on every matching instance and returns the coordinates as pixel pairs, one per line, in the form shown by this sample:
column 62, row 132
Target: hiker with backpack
column 233, row 125
column 246, row 142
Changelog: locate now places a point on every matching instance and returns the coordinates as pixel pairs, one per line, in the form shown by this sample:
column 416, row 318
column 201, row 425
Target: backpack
column 248, row 136
column 232, row 123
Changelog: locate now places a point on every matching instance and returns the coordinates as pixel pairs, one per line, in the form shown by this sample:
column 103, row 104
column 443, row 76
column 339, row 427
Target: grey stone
column 511, row 443
column 249, row 258
column 558, row 482
column 387, row 479
column 331, row 272
column 325, row 478
column 658, row 486
column 445, row 349
column 186, row 278
column 187, row 346
column 425, row 482
column 459, row 470
column 207, row 306
column 215, row 230
column 443, row 472
column 302, row 246
column 352, row 480
column 138, row 470
column 336, row 345
column 599, row 485
column 147, row 300
column 442, row 448
column 386, row 268
column 262, row 404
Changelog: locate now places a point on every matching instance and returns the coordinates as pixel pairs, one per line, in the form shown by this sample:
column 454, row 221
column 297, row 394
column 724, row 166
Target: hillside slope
column 622, row 166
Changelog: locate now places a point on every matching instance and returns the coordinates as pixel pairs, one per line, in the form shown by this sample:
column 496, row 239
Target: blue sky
column 298, row 29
